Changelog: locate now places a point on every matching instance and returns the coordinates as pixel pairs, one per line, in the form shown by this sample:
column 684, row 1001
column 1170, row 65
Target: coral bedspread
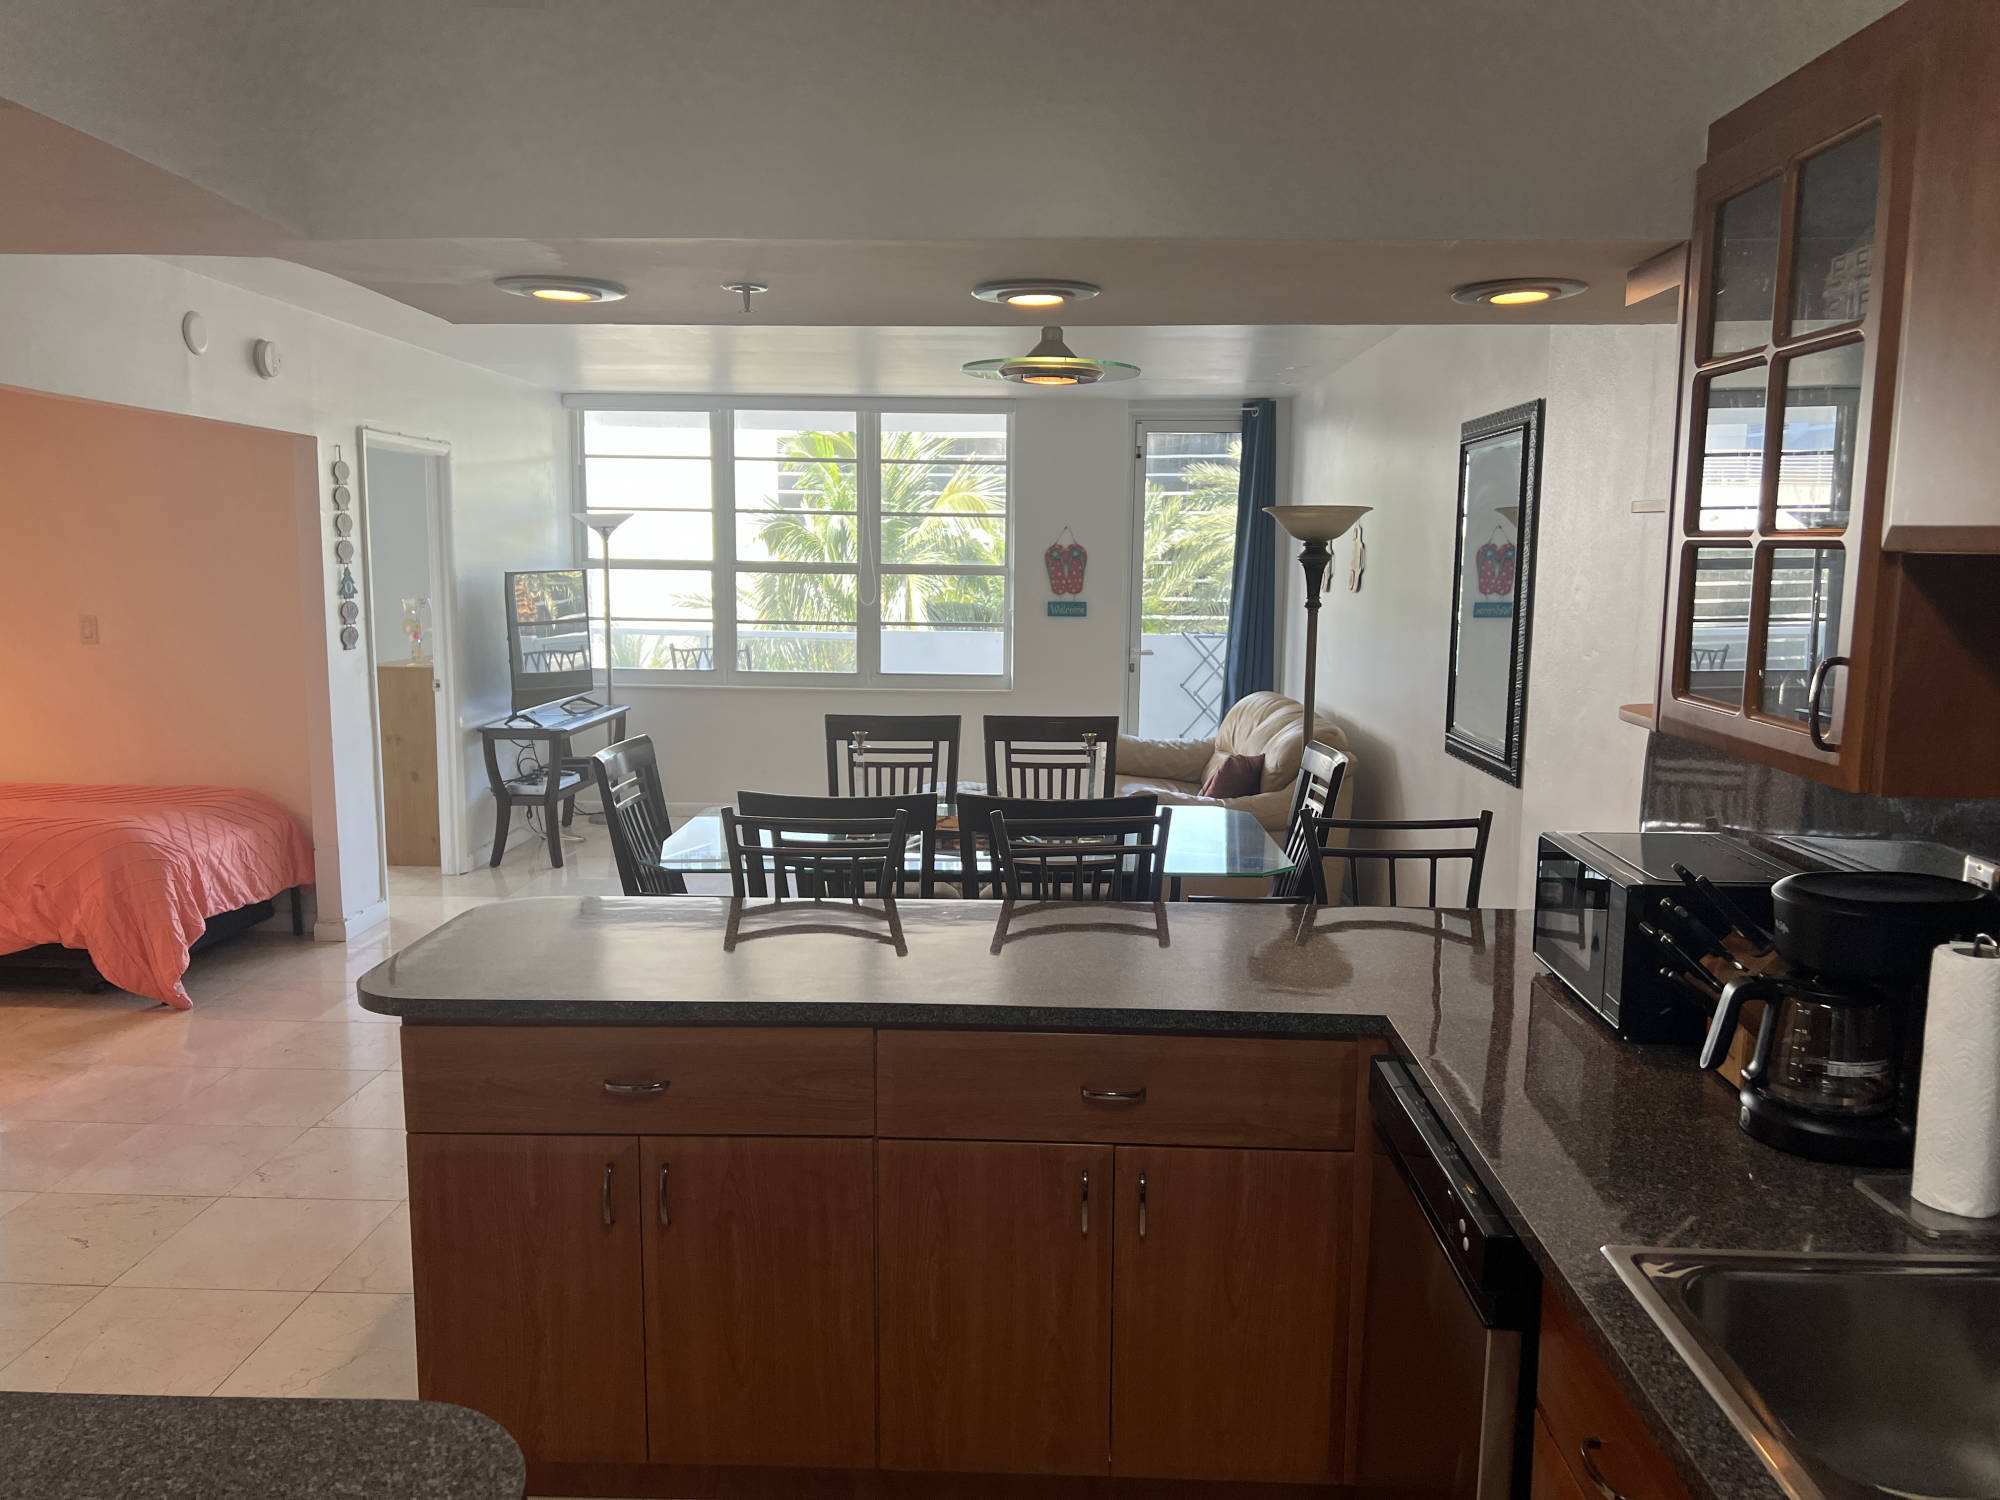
column 133, row 872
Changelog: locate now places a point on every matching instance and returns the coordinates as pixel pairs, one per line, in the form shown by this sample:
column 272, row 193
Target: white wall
column 1383, row 431
column 1072, row 466
column 108, row 327
column 399, row 552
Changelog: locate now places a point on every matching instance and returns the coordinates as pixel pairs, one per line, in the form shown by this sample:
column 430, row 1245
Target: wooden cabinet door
column 1549, row 1477
column 995, row 1329
column 528, row 1290
column 760, row 1301
column 1228, row 1314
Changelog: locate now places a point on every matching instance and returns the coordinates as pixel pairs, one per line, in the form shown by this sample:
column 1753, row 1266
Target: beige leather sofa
column 1264, row 724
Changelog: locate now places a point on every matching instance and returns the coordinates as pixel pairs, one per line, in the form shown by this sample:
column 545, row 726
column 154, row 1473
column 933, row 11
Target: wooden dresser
column 404, row 693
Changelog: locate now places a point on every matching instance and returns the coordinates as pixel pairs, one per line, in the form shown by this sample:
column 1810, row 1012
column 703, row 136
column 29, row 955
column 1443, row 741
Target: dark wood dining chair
column 635, row 815
column 975, row 827
column 891, row 755
column 808, row 823
column 1082, row 859
column 1064, row 757
column 1392, row 855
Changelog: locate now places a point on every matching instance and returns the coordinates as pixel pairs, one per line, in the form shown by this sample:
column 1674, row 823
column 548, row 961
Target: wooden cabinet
column 1227, row 1313
column 714, row 1263
column 1588, row 1425
column 1549, row 1477
column 526, row 1252
column 760, row 1301
column 1833, row 427
column 995, row 1341
column 406, row 699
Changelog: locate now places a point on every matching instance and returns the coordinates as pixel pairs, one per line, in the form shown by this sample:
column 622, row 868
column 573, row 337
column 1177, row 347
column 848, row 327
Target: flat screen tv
column 548, row 635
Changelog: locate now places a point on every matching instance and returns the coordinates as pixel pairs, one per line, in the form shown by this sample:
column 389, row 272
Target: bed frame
column 54, row 964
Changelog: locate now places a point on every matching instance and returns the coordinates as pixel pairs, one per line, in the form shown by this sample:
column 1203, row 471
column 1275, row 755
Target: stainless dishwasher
column 1451, row 1298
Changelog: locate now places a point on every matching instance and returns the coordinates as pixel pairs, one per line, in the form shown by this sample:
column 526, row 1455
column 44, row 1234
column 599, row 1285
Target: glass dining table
column 1203, row 843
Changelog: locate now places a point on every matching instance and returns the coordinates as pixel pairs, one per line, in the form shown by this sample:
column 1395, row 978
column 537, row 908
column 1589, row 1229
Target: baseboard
column 346, row 929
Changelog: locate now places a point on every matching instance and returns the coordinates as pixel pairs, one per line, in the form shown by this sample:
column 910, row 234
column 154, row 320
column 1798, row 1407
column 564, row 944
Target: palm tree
column 1191, row 548
column 921, row 491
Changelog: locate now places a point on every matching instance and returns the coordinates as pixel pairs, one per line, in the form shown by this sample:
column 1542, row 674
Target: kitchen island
column 909, row 1060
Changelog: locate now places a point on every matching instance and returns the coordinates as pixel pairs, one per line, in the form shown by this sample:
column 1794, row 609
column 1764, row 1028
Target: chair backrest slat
column 1322, row 770
column 799, row 826
column 1059, row 758
column 975, row 827
column 1392, row 856
column 891, row 755
column 635, row 815
column 1082, row 859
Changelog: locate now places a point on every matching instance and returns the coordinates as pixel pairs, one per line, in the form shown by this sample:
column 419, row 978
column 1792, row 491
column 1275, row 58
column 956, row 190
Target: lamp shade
column 603, row 522
column 1317, row 523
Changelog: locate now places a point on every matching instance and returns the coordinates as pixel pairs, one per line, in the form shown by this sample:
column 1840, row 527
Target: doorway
column 406, row 600
column 1184, row 526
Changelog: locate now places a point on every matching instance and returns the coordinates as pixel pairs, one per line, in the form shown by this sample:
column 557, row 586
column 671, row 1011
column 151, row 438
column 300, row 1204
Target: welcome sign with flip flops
column 1066, row 562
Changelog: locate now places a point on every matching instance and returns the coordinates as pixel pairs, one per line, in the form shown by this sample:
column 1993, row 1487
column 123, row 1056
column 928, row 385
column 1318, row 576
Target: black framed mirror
column 1493, row 589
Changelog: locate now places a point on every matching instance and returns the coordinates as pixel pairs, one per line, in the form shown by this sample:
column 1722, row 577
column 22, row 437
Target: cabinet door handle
column 610, row 1217
column 666, row 1211
column 659, row 1087
column 1114, row 1096
column 1086, row 1203
column 1142, row 1205
column 1813, row 693
column 1587, row 1450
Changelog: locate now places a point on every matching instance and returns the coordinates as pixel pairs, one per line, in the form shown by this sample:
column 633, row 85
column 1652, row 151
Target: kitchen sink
column 1852, row 1375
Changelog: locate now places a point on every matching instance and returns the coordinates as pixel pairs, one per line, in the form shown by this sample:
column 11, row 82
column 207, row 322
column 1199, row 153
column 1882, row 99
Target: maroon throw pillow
column 1237, row 776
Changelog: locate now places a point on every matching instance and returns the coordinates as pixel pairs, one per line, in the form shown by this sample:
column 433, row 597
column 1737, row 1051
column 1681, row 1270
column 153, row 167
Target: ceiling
column 1225, row 170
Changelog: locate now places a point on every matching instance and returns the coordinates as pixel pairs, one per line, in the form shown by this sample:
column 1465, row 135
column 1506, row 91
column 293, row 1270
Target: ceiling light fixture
column 1039, row 291
column 1518, row 291
column 561, row 288
column 1051, row 362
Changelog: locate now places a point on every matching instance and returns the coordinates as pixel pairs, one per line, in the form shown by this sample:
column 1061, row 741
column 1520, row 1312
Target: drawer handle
column 1588, row 1451
column 610, row 1218
column 638, row 1088
column 1086, row 1203
column 1142, row 1205
column 1114, row 1096
column 666, row 1211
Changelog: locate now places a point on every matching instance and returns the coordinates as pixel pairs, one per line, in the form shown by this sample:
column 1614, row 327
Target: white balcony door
column 1184, row 526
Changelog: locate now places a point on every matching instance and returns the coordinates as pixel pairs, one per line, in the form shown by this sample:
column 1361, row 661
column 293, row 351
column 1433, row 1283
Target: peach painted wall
column 188, row 540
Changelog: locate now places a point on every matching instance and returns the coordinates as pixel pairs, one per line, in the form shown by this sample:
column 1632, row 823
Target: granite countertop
column 1589, row 1140
column 78, row 1447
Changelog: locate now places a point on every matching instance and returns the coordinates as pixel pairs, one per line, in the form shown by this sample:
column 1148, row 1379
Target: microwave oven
column 1592, row 890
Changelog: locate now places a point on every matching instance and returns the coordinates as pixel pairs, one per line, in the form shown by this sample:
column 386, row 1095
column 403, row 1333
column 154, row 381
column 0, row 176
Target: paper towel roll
column 1958, row 1106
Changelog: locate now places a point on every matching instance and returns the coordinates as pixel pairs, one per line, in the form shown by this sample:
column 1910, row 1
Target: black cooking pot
column 1873, row 924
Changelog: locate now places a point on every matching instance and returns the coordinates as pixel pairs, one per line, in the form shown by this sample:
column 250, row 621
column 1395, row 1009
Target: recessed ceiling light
column 1051, row 362
column 561, row 288
column 1518, row 291
column 1039, row 291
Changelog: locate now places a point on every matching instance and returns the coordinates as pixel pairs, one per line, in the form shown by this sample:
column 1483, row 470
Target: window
column 802, row 544
column 1188, row 474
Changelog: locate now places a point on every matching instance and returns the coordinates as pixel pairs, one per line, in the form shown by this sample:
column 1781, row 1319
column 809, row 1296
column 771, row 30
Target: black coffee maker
column 1834, row 1073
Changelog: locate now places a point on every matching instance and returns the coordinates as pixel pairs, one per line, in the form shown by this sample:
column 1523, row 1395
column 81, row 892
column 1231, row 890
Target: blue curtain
column 1251, row 666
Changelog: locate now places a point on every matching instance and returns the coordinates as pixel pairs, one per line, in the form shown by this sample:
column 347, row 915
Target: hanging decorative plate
column 349, row 637
column 341, row 471
column 341, row 496
column 343, row 523
column 349, row 611
column 347, row 588
column 343, row 551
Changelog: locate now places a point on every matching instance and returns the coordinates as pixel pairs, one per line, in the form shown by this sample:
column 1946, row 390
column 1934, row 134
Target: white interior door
column 1184, row 539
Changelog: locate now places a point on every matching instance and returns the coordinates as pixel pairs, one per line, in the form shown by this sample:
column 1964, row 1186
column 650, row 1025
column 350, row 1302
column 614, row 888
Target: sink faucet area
column 1851, row 1375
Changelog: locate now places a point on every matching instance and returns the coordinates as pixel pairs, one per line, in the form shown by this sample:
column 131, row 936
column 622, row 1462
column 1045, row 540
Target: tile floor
column 213, row 1201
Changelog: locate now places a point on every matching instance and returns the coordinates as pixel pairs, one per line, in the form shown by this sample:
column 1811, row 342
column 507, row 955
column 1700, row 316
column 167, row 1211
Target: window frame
column 869, row 567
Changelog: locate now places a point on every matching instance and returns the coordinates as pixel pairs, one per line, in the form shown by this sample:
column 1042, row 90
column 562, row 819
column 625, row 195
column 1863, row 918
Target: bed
column 139, row 875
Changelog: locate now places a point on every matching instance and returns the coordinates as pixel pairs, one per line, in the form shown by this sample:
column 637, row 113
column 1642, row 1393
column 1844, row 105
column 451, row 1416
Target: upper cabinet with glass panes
column 1838, row 383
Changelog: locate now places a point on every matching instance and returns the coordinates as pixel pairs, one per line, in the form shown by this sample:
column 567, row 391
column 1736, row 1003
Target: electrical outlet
column 87, row 629
column 1984, row 872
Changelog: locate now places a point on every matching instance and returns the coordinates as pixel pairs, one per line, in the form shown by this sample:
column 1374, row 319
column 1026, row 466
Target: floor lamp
column 604, row 522
column 1317, row 527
